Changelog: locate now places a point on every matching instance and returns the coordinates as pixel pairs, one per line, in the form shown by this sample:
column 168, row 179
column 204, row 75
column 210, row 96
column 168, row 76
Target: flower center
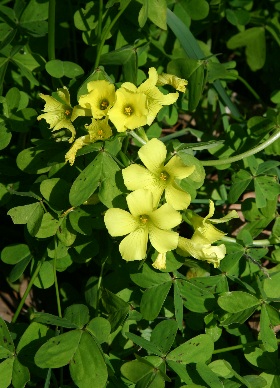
column 144, row 219
column 67, row 112
column 164, row 176
column 100, row 133
column 104, row 104
column 128, row 110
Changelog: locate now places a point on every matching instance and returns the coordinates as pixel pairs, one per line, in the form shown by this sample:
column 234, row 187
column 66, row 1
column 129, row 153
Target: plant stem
column 99, row 285
column 105, row 34
column 249, row 87
column 260, row 147
column 182, row 132
column 138, row 138
column 55, row 279
column 51, row 30
column 99, row 26
column 31, row 282
column 241, row 346
column 258, row 243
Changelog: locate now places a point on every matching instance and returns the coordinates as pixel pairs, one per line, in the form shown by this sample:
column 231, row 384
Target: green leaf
column 85, row 19
column 20, row 374
column 56, row 192
column 267, row 334
column 34, row 160
column 195, row 87
column 116, row 307
column 58, row 69
column 197, row 349
column 59, row 350
column 21, row 214
column 49, row 226
column 7, row 348
column 149, row 277
column 234, row 253
column 153, row 299
column 80, row 221
column 77, row 314
column 6, row 372
column 142, row 342
column 178, row 306
column 254, row 40
column 237, row 301
column 33, row 18
column 49, row 319
column 196, row 299
column 239, row 318
column 45, row 278
column 197, row 9
column 208, row 376
column 164, row 335
column 240, row 183
column 238, row 16
column 100, row 328
column 18, row 269
column 271, row 285
column 266, row 189
column 155, row 10
column 5, row 136
column 136, row 370
column 13, row 254
column 87, row 367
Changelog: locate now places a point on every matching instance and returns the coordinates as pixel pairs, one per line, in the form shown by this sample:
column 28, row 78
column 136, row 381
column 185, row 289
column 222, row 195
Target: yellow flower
column 170, row 79
column 157, row 177
column 141, row 224
column 129, row 111
column 160, row 262
column 58, row 114
column 199, row 246
column 155, row 98
column 100, row 98
column 98, row 130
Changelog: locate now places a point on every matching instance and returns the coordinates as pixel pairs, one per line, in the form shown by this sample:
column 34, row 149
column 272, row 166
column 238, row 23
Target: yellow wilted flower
column 199, row 246
column 58, row 114
column 98, row 130
column 160, row 262
column 143, row 223
column 157, row 177
column 100, row 98
column 155, row 98
column 170, row 79
column 129, row 111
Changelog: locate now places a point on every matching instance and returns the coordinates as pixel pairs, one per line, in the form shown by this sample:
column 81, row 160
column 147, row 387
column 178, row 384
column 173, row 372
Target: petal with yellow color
column 153, row 155
column 137, row 177
column 170, row 79
column 134, row 246
column 140, row 202
column 64, row 95
column 162, row 240
column 65, row 123
column 78, row 144
column 119, row 222
column 176, row 168
column 130, row 87
column 166, row 217
column 176, row 197
column 208, row 233
column 232, row 214
column 80, row 111
column 150, row 83
column 160, row 262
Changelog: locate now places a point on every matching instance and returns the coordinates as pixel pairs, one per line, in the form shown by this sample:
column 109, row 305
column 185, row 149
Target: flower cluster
column 148, row 220
column 127, row 108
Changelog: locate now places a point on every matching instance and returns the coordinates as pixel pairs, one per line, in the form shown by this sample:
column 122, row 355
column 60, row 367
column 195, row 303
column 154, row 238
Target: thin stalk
column 182, row 132
column 258, row 243
column 260, row 147
column 99, row 286
column 249, row 87
column 138, row 138
column 31, row 282
column 241, row 346
column 55, row 279
column 100, row 14
column 105, row 34
column 51, row 30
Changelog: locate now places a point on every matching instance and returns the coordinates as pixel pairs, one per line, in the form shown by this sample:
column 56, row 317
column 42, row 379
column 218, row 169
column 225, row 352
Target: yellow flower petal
column 129, row 87
column 119, row 222
column 99, row 130
column 78, row 144
column 162, row 240
column 64, row 95
column 137, row 177
column 100, row 99
column 232, row 214
column 129, row 110
column 134, row 246
column 80, row 111
column 153, row 155
column 149, row 85
column 165, row 217
column 176, row 197
column 65, row 123
column 140, row 202
column 207, row 233
column 178, row 169
column 160, row 262
column 170, row 79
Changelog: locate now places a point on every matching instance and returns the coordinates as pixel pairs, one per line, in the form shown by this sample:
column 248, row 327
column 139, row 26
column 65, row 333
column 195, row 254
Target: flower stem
column 31, row 282
column 105, row 34
column 260, row 147
column 100, row 14
column 241, row 346
column 55, row 279
column 137, row 137
column 51, row 30
column 258, row 243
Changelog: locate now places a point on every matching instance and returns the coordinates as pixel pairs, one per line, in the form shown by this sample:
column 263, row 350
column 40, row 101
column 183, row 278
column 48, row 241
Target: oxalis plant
column 139, row 194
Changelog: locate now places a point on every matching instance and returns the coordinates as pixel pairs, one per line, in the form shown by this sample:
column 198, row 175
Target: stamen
column 144, row 219
column 164, row 176
column 104, row 104
column 128, row 110
column 67, row 112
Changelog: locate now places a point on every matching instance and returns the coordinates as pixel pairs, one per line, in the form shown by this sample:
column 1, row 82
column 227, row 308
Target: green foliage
column 208, row 317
